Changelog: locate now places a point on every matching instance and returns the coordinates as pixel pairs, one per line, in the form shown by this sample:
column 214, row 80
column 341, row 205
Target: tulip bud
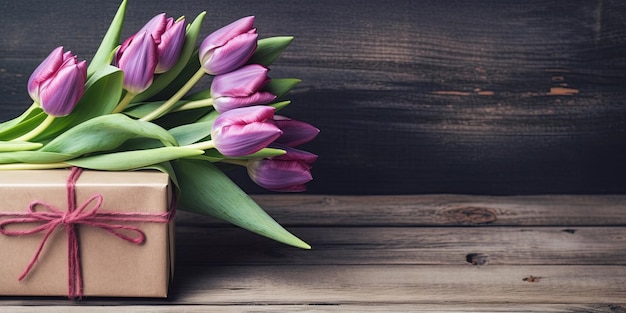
column 288, row 172
column 295, row 132
column 244, row 131
column 137, row 58
column 241, row 88
column 229, row 47
column 58, row 83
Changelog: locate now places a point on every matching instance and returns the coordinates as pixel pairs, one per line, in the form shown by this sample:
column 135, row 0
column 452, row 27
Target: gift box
column 122, row 231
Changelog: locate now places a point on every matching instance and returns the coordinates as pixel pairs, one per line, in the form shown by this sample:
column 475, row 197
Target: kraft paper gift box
column 110, row 266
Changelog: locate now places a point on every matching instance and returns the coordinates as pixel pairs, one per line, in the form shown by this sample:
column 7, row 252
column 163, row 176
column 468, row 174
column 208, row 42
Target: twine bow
column 52, row 218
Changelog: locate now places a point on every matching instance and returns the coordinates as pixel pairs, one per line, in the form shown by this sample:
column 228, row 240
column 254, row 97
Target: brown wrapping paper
column 110, row 266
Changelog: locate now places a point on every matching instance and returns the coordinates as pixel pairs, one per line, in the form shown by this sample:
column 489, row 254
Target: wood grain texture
column 531, row 263
column 409, row 246
column 442, row 210
column 397, row 284
column 323, row 308
column 487, row 97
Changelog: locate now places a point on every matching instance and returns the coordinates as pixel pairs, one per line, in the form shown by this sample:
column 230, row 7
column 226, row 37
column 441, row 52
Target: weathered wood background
column 489, row 97
column 407, row 253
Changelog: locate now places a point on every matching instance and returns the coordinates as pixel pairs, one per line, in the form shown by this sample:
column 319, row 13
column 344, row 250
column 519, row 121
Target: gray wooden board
column 487, row 97
column 531, row 263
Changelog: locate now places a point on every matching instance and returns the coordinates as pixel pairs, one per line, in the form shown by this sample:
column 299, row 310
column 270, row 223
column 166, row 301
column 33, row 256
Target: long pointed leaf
column 129, row 160
column 165, row 167
column 18, row 146
column 206, row 190
column 37, row 157
column 269, row 49
column 109, row 42
column 105, row 133
column 281, row 86
column 23, row 125
column 199, row 95
column 191, row 133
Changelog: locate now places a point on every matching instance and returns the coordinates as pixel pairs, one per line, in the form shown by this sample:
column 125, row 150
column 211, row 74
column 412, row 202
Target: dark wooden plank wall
column 489, row 97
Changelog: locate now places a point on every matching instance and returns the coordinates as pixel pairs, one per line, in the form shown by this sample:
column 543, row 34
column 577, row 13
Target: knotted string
column 73, row 216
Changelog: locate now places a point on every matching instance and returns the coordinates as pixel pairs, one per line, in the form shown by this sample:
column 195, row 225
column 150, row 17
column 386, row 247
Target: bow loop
column 79, row 215
column 128, row 233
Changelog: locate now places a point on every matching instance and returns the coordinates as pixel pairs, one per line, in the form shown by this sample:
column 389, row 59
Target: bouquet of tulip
column 132, row 107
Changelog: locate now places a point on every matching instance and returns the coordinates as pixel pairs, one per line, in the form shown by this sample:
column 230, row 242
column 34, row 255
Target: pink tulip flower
column 169, row 36
column 58, row 83
column 229, row 47
column 288, row 172
column 295, row 132
column 244, row 131
column 241, row 88
column 154, row 49
column 138, row 58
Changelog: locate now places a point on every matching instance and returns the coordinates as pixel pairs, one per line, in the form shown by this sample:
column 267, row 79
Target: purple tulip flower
column 58, row 83
column 169, row 36
column 229, row 47
column 154, row 49
column 244, row 131
column 288, row 172
column 241, row 88
column 295, row 132
column 138, row 58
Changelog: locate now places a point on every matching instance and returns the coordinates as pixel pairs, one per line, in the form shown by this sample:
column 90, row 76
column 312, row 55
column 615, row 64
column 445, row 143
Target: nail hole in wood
column 477, row 259
column 532, row 279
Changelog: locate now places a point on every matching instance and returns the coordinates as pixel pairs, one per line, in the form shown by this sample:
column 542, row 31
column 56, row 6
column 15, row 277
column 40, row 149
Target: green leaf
column 280, row 105
column 186, row 55
column 281, row 86
column 191, row 133
column 165, row 167
column 179, row 81
column 128, row 160
column 14, row 121
column 33, row 157
column 105, row 133
column 199, row 95
column 16, row 128
column 139, row 110
column 269, row 49
column 18, row 146
column 171, row 119
column 211, row 116
column 206, row 190
column 102, row 93
column 109, row 42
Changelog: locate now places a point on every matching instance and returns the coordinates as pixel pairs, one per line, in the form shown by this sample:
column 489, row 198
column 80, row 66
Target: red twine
column 53, row 217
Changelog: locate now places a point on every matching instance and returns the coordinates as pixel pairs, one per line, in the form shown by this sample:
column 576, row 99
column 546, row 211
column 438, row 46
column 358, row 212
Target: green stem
column 30, row 109
column 165, row 107
column 203, row 145
column 32, row 166
column 125, row 101
column 195, row 105
column 37, row 130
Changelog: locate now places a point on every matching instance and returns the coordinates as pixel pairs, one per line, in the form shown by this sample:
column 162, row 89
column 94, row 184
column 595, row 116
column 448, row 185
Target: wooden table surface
column 423, row 253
